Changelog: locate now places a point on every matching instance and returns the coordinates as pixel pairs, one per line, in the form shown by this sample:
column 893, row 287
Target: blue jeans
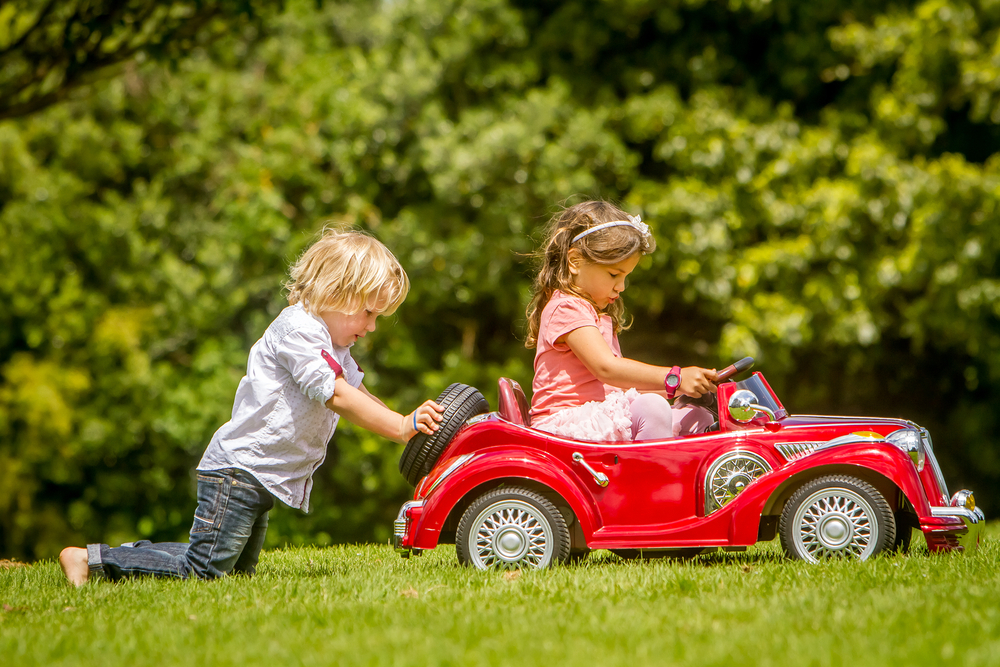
column 227, row 535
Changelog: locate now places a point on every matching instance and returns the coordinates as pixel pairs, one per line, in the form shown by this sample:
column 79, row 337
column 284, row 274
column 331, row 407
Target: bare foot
column 74, row 563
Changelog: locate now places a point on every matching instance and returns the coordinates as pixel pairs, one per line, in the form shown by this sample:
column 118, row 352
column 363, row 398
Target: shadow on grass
column 713, row 559
column 760, row 555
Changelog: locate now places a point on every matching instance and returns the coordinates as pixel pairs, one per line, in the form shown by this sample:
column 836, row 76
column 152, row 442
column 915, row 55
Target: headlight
column 909, row 440
column 964, row 499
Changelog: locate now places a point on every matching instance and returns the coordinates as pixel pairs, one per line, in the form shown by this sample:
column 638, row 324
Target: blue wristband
column 415, row 422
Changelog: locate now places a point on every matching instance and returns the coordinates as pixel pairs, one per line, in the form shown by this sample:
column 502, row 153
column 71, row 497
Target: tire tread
column 460, row 402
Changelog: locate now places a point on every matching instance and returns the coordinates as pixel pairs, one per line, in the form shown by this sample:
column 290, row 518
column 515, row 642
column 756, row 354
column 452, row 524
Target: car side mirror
column 743, row 407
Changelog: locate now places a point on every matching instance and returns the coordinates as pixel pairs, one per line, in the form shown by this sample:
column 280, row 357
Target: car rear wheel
column 460, row 402
column 512, row 527
column 836, row 517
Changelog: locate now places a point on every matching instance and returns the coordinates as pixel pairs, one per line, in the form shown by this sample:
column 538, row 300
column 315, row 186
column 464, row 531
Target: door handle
column 599, row 477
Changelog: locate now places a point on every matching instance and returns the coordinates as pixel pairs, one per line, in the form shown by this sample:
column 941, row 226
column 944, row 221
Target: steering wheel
column 729, row 371
column 709, row 400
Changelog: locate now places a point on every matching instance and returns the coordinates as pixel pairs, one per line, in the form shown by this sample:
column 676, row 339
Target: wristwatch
column 672, row 381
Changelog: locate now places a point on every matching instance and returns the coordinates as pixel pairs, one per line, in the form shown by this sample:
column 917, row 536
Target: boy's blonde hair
column 347, row 271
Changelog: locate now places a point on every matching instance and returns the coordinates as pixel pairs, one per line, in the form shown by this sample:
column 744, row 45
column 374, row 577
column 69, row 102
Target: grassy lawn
column 363, row 605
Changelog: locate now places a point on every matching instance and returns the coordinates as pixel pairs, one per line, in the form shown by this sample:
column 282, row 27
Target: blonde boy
column 300, row 380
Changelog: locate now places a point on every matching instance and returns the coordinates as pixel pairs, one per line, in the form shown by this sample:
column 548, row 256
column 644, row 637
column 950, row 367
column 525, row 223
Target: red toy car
column 509, row 495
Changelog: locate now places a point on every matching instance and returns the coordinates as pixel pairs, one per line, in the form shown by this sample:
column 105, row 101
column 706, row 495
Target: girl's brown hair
column 605, row 246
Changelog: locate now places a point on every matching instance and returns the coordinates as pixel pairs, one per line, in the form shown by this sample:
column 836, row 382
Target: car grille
column 796, row 450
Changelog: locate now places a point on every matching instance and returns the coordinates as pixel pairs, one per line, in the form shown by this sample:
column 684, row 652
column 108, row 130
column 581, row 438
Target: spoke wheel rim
column 835, row 523
column 729, row 475
column 732, row 477
column 511, row 533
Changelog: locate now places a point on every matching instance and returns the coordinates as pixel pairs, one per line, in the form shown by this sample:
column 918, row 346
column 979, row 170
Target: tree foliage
column 819, row 176
column 49, row 47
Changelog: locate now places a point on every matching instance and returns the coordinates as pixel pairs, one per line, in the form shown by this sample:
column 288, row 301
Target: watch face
column 673, row 380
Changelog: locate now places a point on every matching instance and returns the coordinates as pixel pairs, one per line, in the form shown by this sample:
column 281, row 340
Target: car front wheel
column 512, row 527
column 836, row 517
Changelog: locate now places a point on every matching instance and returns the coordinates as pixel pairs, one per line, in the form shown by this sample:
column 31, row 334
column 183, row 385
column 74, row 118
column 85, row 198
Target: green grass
column 363, row 605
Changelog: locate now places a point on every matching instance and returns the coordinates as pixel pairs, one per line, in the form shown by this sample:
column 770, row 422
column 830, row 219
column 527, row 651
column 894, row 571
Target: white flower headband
column 633, row 221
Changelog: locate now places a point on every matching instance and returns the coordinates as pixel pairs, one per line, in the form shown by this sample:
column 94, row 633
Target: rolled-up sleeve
column 300, row 352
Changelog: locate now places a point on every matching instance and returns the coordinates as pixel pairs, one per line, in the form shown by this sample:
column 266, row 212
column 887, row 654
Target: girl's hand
column 422, row 420
column 696, row 382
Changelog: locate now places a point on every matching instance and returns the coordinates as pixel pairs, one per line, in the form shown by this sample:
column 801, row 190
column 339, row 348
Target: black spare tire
column 460, row 402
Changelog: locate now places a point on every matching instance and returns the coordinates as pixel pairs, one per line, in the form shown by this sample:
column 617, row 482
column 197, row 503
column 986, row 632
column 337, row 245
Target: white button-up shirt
column 281, row 426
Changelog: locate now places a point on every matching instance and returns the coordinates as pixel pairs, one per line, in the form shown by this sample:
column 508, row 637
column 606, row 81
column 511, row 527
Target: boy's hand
column 696, row 382
column 422, row 420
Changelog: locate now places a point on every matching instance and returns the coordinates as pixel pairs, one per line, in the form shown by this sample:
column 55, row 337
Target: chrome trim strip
column 481, row 418
column 797, row 450
column 455, row 465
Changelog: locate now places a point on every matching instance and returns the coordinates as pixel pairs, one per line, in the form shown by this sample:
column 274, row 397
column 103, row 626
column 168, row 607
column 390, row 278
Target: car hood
column 828, row 420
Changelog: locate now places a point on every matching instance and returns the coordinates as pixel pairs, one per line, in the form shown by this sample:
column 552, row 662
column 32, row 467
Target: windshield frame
column 765, row 395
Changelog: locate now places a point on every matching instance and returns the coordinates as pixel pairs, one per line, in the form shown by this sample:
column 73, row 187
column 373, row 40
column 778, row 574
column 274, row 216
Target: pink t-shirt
column 561, row 380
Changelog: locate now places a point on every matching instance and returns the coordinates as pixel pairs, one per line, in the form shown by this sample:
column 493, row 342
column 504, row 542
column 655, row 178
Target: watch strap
column 675, row 372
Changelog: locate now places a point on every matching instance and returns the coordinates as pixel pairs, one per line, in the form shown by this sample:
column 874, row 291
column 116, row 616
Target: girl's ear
column 574, row 257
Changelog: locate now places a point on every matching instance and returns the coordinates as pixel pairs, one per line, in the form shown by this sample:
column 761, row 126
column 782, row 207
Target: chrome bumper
column 974, row 521
column 963, row 506
column 400, row 527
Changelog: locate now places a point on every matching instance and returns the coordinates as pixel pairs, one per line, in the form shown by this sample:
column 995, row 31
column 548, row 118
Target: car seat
column 513, row 404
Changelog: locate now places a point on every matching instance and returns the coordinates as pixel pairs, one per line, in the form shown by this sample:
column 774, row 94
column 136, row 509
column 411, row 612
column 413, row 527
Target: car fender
column 763, row 495
column 502, row 463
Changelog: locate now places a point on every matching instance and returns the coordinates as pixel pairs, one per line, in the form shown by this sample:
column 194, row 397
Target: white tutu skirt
column 609, row 420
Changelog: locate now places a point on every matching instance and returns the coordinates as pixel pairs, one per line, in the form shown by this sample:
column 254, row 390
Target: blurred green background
column 820, row 176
